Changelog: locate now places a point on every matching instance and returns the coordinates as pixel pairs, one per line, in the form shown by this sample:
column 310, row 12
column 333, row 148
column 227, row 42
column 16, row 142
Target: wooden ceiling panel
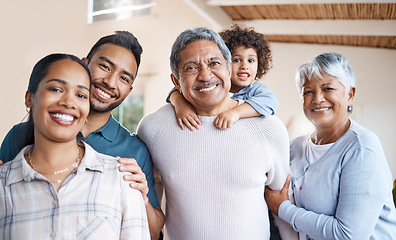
column 338, row 11
column 379, row 11
column 359, row 41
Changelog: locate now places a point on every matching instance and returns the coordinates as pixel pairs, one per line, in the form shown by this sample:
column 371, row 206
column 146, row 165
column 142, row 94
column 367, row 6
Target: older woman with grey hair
column 341, row 179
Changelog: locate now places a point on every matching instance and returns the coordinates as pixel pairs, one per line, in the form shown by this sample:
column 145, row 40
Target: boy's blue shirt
column 263, row 100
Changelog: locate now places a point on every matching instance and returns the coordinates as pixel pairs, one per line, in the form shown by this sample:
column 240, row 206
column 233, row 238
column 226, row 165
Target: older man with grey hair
column 214, row 179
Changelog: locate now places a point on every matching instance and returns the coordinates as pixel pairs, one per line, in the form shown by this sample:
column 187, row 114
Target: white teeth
column 243, row 75
column 321, row 109
column 207, row 89
column 105, row 95
column 63, row 117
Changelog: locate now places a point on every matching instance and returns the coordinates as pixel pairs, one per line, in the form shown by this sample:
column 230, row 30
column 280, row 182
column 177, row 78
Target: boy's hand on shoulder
column 186, row 115
column 225, row 119
column 190, row 120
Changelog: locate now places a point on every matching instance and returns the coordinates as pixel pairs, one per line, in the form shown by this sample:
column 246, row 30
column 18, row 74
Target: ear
column 130, row 89
column 351, row 95
column 85, row 60
column 176, row 82
column 28, row 99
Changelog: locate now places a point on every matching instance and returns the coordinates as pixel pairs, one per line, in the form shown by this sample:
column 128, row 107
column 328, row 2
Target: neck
column 94, row 122
column 234, row 88
column 52, row 156
column 227, row 104
column 330, row 135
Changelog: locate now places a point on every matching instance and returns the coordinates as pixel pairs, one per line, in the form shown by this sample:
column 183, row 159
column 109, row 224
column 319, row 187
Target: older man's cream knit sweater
column 214, row 179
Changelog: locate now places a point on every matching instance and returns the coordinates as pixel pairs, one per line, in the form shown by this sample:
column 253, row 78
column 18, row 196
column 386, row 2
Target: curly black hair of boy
column 248, row 38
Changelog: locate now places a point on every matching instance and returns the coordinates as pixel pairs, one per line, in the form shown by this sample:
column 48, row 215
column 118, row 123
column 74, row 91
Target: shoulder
column 269, row 123
column 106, row 166
column 94, row 158
column 363, row 136
column 19, row 127
column 357, row 140
column 257, row 84
column 13, row 169
column 298, row 141
column 269, row 126
column 297, row 148
column 360, row 143
column 157, row 119
column 13, row 142
column 16, row 133
column 126, row 142
column 164, row 112
column 258, row 87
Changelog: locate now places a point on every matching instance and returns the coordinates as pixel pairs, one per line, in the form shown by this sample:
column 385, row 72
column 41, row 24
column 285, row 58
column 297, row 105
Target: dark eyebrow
column 188, row 63
column 215, row 58
column 65, row 83
column 113, row 65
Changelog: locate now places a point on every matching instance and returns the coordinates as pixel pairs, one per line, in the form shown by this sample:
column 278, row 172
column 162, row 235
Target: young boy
column 251, row 59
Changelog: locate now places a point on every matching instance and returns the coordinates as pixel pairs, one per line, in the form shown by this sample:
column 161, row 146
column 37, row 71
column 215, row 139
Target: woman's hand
column 275, row 198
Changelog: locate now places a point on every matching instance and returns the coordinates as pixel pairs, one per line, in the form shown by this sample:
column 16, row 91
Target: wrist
column 146, row 201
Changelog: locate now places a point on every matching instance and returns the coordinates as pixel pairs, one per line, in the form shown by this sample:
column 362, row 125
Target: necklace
column 74, row 166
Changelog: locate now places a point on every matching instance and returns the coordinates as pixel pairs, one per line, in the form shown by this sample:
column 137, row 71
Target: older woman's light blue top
column 346, row 194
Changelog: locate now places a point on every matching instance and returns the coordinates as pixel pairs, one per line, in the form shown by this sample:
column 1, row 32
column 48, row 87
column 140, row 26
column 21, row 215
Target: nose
column 111, row 80
column 205, row 74
column 319, row 97
column 244, row 65
column 67, row 100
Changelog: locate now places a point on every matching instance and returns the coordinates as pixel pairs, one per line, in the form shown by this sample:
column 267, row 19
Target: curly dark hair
column 247, row 37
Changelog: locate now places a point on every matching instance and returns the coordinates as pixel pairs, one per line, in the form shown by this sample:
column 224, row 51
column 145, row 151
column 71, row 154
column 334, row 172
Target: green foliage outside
column 130, row 112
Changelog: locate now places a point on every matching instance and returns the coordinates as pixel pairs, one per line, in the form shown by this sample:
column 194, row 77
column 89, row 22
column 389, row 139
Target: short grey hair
column 191, row 35
column 330, row 64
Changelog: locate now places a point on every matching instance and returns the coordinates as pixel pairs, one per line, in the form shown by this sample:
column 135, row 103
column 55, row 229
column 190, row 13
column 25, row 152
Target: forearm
column 156, row 220
column 245, row 110
column 175, row 97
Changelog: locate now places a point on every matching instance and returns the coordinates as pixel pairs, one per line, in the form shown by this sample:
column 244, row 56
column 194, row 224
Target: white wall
column 31, row 29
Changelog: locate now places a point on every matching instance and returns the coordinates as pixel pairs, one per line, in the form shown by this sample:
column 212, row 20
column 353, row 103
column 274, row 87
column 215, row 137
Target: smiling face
column 113, row 70
column 204, row 77
column 60, row 105
column 326, row 102
column 244, row 68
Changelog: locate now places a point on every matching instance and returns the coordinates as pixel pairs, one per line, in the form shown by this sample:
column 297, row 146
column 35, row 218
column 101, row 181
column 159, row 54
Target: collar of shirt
column 108, row 131
column 19, row 169
column 245, row 89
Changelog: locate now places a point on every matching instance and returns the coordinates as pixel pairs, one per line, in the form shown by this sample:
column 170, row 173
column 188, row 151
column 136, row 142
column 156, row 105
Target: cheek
column 234, row 68
column 305, row 103
column 85, row 109
column 96, row 73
